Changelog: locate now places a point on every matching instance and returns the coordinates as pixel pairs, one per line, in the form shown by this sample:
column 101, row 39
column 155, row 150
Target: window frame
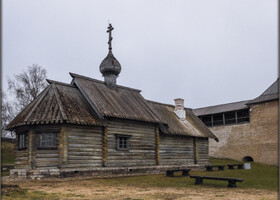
column 126, row 139
column 241, row 116
column 39, row 140
column 24, row 141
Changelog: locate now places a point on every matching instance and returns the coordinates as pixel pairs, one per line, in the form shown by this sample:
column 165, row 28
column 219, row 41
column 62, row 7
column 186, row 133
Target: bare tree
column 27, row 85
column 7, row 114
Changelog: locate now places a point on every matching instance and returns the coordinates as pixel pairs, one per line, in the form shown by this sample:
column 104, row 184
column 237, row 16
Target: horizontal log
column 142, row 157
column 45, row 166
column 82, row 165
column 77, row 149
column 94, row 137
column 46, row 155
column 46, row 151
column 21, row 166
column 22, row 158
column 91, row 153
column 84, row 157
column 22, row 163
column 131, row 151
column 46, row 159
column 84, row 162
column 85, row 146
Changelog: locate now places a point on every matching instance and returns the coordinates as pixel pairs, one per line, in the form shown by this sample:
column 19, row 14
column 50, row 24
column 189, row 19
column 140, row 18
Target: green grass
column 8, row 157
column 33, row 195
column 8, row 154
column 260, row 176
column 20, row 194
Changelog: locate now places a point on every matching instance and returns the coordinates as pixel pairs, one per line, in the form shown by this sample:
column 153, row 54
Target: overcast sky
column 207, row 52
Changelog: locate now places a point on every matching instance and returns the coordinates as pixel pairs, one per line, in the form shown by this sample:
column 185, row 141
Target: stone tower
column 110, row 66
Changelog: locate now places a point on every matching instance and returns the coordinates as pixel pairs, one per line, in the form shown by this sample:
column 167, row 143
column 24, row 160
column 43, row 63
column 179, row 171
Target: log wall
column 142, row 144
column 88, row 147
column 84, row 147
column 176, row 150
column 202, row 151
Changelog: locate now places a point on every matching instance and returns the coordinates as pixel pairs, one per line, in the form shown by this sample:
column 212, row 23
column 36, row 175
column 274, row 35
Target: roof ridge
column 221, row 104
column 165, row 104
column 73, row 75
column 59, row 83
column 155, row 102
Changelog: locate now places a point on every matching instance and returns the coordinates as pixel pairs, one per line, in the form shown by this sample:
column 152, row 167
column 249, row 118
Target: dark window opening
column 122, row 142
column 47, row 140
column 22, row 141
column 230, row 118
column 243, row 116
column 218, row 119
column 207, row 120
column 248, row 159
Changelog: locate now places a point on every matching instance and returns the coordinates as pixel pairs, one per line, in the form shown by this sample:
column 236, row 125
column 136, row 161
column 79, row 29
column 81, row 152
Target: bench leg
column 240, row 166
column 198, row 181
column 232, row 184
column 230, row 167
column 221, row 169
column 209, row 169
column 170, row 174
column 185, row 173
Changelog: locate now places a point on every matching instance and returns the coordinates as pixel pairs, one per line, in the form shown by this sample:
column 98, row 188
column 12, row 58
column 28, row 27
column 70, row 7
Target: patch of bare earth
column 91, row 189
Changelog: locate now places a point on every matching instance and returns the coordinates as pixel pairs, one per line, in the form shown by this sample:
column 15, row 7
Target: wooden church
column 98, row 128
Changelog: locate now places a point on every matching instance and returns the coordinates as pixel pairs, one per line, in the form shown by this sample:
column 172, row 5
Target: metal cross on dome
column 110, row 28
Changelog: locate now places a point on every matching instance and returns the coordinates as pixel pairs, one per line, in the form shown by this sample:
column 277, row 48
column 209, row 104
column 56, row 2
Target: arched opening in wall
column 248, row 159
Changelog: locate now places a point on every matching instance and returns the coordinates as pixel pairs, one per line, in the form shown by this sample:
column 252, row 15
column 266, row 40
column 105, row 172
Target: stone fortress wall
column 257, row 139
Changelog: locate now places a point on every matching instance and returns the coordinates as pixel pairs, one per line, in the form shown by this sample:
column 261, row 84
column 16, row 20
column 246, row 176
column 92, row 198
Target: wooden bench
column 239, row 166
column 231, row 181
column 210, row 167
column 185, row 172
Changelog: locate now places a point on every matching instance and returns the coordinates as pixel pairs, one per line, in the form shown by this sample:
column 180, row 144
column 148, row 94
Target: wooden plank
column 105, row 146
column 176, row 150
column 84, row 158
column 142, row 144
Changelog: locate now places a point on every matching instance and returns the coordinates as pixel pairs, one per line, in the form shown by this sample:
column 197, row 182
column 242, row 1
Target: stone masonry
column 257, row 139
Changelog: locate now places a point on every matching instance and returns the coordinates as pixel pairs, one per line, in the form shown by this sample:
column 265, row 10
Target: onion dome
column 110, row 65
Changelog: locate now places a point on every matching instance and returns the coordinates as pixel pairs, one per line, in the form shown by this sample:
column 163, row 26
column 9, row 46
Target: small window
column 122, row 142
column 22, row 141
column 46, row 140
column 218, row 119
column 230, row 118
column 243, row 116
column 207, row 120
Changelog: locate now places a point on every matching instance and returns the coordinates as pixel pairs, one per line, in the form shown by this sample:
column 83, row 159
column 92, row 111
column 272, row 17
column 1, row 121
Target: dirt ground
column 91, row 189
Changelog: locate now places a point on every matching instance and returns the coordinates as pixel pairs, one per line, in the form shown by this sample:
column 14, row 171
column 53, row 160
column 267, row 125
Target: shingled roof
column 191, row 126
column 87, row 101
column 271, row 93
column 58, row 103
column 221, row 108
column 121, row 102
